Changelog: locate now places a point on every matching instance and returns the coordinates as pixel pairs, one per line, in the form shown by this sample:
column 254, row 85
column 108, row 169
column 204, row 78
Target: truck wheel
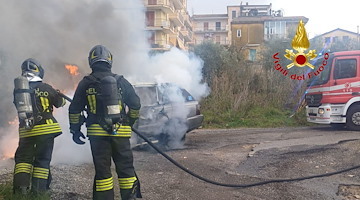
column 353, row 118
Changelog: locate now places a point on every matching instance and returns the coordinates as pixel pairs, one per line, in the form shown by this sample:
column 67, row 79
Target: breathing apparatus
column 23, row 103
column 109, row 97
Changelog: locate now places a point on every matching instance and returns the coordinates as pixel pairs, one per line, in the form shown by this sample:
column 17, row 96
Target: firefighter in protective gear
column 33, row 155
column 108, row 125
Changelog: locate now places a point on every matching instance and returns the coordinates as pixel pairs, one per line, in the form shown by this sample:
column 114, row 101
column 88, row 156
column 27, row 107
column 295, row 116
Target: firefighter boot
column 39, row 186
column 131, row 194
column 21, row 183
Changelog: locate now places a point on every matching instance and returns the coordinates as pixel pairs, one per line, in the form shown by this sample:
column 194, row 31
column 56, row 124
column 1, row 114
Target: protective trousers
column 32, row 162
column 118, row 148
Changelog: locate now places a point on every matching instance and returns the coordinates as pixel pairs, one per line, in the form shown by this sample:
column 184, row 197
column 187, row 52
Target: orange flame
column 73, row 69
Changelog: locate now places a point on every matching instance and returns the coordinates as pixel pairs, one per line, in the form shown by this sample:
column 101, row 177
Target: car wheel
column 353, row 118
column 173, row 134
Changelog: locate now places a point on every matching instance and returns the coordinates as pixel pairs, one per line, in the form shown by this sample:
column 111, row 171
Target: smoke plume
column 62, row 32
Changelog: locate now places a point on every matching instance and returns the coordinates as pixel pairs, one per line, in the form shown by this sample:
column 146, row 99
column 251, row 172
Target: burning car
column 167, row 113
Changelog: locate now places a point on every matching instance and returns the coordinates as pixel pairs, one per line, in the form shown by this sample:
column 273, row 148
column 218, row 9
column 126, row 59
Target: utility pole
column 357, row 36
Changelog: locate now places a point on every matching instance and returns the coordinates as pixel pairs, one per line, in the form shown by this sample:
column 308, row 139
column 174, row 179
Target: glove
column 76, row 136
column 135, row 124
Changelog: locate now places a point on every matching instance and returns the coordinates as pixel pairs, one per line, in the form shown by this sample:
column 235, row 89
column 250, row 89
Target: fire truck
column 333, row 94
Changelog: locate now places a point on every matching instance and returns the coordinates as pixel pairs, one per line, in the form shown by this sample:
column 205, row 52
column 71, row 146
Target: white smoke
column 63, row 32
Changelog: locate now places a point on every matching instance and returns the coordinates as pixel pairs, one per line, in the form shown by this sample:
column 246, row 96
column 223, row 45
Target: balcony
column 177, row 18
column 163, row 5
column 274, row 36
column 161, row 25
column 221, row 29
column 179, row 4
column 188, row 35
column 223, row 41
column 187, row 21
column 160, row 47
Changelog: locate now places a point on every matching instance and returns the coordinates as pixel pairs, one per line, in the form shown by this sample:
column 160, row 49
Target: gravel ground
column 236, row 156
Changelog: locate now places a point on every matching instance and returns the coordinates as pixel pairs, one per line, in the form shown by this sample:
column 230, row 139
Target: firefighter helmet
column 33, row 66
column 99, row 53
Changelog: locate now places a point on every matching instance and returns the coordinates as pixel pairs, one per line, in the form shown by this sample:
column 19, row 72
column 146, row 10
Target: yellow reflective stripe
column 131, row 179
column 92, row 103
column 49, row 121
column 120, row 105
column 97, row 130
column 42, row 129
column 42, row 173
column 45, row 104
column 23, row 168
column 74, row 118
column 127, row 183
column 133, row 113
column 104, row 184
column 49, row 129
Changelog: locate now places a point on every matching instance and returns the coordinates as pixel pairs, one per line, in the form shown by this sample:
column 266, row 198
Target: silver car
column 167, row 113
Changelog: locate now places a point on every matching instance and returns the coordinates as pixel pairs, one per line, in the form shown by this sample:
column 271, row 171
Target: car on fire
column 167, row 113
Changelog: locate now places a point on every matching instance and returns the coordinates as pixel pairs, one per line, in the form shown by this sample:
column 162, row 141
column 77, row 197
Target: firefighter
column 34, row 101
column 105, row 95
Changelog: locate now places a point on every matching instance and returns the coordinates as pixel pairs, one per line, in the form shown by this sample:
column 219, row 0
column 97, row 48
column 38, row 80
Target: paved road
column 237, row 156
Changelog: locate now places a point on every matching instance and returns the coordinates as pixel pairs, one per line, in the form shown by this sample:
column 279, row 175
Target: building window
column 238, row 33
column 335, row 39
column 327, row 39
column 276, row 28
column 206, row 26
column 218, row 26
column 151, row 39
column 150, row 18
column 233, row 14
column 217, row 39
column 152, row 2
column 345, row 38
column 252, row 54
column 345, row 68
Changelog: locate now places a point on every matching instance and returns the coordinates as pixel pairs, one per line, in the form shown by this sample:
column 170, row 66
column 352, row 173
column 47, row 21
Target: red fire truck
column 333, row 96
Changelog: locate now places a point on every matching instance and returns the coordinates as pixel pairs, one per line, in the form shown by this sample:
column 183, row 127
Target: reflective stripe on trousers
column 97, row 130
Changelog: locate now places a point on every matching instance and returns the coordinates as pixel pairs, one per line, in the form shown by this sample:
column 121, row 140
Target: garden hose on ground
column 239, row 185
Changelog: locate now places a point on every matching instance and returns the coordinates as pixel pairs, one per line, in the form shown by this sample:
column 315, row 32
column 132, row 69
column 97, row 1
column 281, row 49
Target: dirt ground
column 234, row 156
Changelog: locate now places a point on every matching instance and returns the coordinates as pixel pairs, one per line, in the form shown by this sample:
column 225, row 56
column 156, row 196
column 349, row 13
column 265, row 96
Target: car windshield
column 148, row 95
column 170, row 93
column 323, row 76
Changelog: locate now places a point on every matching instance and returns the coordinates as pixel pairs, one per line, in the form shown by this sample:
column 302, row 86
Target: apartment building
column 244, row 26
column 217, row 27
column 337, row 35
column 249, row 33
column 213, row 27
column 168, row 24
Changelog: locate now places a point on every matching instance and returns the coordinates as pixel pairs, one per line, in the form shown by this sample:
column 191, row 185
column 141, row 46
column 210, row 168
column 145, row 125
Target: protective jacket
column 85, row 98
column 33, row 155
column 106, row 145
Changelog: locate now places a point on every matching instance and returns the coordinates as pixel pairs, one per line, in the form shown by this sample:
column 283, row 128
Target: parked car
column 167, row 113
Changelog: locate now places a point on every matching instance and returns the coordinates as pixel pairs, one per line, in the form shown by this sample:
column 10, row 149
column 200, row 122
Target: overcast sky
column 323, row 15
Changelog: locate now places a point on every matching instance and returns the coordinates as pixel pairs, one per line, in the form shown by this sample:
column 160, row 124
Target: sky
column 323, row 15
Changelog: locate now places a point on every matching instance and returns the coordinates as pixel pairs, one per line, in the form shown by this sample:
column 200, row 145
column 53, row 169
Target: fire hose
column 227, row 184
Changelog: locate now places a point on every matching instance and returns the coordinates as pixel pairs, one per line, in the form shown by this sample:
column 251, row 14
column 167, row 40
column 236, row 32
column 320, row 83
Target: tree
column 213, row 56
